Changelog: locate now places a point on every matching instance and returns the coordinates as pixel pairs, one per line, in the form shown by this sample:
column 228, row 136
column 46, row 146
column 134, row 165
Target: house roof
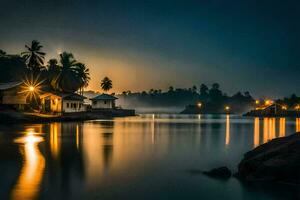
column 9, row 85
column 104, row 97
column 64, row 96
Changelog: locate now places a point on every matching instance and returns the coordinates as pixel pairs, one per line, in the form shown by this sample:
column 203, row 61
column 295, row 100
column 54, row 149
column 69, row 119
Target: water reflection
column 282, row 127
column 100, row 158
column 29, row 181
column 227, row 139
column 55, row 130
column 256, row 132
column 297, row 124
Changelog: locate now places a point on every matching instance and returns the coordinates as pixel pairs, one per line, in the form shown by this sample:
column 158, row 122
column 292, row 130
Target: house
column 104, row 101
column 273, row 108
column 11, row 95
column 59, row 102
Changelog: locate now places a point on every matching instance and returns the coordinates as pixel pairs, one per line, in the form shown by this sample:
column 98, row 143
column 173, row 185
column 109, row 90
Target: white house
column 62, row 102
column 104, row 101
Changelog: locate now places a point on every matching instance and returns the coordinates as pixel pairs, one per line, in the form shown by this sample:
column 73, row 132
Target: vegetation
column 34, row 57
column 106, row 84
column 67, row 75
column 12, row 67
column 212, row 99
column 291, row 102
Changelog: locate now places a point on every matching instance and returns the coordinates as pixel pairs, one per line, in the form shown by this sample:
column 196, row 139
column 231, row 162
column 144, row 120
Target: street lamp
column 199, row 104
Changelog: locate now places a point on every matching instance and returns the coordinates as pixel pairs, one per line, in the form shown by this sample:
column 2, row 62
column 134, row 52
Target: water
column 145, row 157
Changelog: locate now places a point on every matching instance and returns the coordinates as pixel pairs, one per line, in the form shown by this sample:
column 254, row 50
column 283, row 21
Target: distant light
column 199, row 104
column 227, row 108
column 268, row 102
column 31, row 88
column 257, row 102
column 284, row 107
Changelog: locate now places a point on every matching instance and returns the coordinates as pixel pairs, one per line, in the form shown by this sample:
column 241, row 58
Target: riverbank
column 10, row 116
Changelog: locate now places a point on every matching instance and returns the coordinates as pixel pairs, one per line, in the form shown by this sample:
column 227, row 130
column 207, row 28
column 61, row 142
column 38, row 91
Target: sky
column 245, row 45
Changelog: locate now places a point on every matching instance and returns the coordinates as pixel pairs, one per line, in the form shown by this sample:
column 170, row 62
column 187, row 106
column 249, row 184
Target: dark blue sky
column 244, row 45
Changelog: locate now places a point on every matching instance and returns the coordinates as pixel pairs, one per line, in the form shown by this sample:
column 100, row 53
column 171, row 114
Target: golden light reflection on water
column 227, row 139
column 55, row 129
column 77, row 137
column 282, row 127
column 269, row 129
column 256, row 132
column 153, row 129
column 297, row 124
column 30, row 178
column 272, row 128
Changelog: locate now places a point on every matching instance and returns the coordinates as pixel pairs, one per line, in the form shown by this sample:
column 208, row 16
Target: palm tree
column 53, row 71
column 70, row 75
column 106, row 84
column 84, row 76
column 34, row 57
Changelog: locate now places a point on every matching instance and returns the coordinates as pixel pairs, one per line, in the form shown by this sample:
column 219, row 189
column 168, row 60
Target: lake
column 144, row 157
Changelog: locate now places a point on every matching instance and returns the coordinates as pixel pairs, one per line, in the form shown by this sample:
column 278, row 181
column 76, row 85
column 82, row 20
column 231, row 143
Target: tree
column 69, row 75
column 203, row 90
column 216, row 86
column 2, row 53
column 194, row 89
column 106, row 84
column 83, row 76
column 12, row 68
column 171, row 89
column 34, row 57
column 53, row 70
column 215, row 93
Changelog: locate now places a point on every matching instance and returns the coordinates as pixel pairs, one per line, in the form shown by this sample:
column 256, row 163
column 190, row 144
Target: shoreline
column 12, row 117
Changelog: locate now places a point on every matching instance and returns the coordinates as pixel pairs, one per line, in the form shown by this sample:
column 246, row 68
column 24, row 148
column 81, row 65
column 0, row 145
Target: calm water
column 145, row 157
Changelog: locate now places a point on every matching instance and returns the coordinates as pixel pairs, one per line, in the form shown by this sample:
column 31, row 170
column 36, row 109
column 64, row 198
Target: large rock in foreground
column 277, row 160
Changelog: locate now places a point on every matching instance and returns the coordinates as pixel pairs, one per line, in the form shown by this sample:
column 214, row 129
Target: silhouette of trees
column 291, row 101
column 106, row 84
column 12, row 67
column 213, row 98
column 34, row 57
column 2, row 53
column 203, row 90
column 69, row 75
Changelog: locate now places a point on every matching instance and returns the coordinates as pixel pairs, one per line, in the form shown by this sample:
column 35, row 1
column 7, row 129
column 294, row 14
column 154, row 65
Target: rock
column 221, row 172
column 277, row 160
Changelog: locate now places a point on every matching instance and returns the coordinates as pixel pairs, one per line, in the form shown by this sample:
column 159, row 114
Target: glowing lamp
column 31, row 88
column 257, row 102
column 227, row 108
column 199, row 104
